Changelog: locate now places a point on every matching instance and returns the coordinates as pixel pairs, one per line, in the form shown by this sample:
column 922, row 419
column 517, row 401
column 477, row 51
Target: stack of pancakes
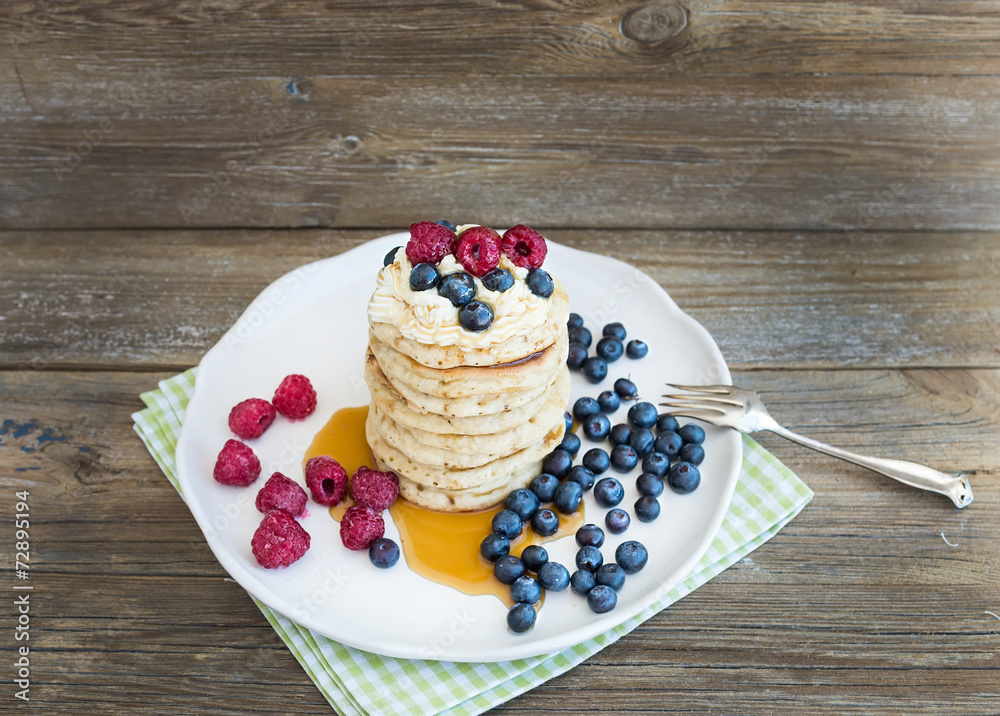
column 463, row 428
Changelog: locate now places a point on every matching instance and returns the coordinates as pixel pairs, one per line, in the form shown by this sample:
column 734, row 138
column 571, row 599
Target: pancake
column 533, row 371
column 395, row 405
column 492, row 474
column 520, row 346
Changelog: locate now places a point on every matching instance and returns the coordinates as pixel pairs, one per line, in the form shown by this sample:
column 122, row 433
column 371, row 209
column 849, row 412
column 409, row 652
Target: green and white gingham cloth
column 767, row 496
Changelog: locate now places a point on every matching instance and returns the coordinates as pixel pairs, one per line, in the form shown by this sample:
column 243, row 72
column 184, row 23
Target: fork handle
column 910, row 473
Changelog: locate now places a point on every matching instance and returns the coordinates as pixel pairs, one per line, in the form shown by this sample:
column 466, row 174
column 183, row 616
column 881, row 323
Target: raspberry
column 236, row 464
column 374, row 489
column 479, row 250
column 326, row 480
column 295, row 397
column 279, row 541
column 429, row 243
column 360, row 526
column 524, row 246
column 281, row 493
column 251, row 418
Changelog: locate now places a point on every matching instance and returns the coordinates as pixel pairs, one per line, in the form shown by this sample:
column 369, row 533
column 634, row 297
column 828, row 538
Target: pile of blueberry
column 600, row 581
column 609, row 348
column 668, row 452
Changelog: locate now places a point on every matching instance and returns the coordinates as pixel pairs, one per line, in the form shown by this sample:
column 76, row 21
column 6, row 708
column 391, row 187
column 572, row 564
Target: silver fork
column 743, row 410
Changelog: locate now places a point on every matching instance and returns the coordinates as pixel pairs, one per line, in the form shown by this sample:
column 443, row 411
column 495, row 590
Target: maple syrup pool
column 440, row 546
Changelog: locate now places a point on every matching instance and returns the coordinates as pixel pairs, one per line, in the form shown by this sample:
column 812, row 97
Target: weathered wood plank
column 831, row 152
column 155, row 298
column 591, row 38
column 856, row 606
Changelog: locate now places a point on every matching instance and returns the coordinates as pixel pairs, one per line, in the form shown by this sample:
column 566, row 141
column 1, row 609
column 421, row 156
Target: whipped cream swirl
column 429, row 318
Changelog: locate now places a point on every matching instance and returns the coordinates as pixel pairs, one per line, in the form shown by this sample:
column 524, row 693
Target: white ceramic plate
column 313, row 321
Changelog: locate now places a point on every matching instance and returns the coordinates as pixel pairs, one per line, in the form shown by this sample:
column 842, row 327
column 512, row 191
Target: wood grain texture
column 126, row 299
column 857, row 606
column 147, row 115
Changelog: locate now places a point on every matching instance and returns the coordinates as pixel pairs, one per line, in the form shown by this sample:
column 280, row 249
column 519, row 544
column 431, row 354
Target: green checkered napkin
column 767, row 496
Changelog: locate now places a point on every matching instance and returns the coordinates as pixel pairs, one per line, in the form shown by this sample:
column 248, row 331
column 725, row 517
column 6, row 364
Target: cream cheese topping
column 429, row 318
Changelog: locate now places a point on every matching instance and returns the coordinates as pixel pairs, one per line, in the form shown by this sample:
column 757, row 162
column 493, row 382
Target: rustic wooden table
column 816, row 183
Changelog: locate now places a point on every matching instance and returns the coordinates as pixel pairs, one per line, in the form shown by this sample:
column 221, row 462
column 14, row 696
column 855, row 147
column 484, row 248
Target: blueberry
column 424, row 276
column 575, row 320
column 624, row 458
column 582, row 582
column 570, row 443
column 636, row 349
column 620, row 434
column 610, row 349
column 590, row 535
column 579, row 334
column 525, row 590
column 615, row 330
column 608, row 401
column 692, row 434
column 631, row 556
column 459, row 288
column 608, row 492
column 534, row 556
column 507, row 523
column 602, row 598
column 647, row 508
column 649, row 484
column 521, row 617
column 446, row 224
column 540, row 283
column 641, row 441
column 475, row 316
column 494, row 546
column 508, row 568
column 553, row 576
column 582, row 476
column 545, row 522
column 683, row 477
column 626, row 389
column 585, row 407
column 596, row 427
column 611, row 575
column 694, row 454
column 523, row 503
column 669, row 443
column 545, row 487
column 568, row 497
column 642, row 415
column 666, row 422
column 568, row 420
column 589, row 558
column 656, row 463
column 596, row 460
column 558, row 462
column 577, row 356
column 617, row 521
column 595, row 369
column 498, row 280
column 391, row 256
column 383, row 553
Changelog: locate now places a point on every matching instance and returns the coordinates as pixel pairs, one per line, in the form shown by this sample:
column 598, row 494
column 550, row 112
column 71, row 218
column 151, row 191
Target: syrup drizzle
column 440, row 546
